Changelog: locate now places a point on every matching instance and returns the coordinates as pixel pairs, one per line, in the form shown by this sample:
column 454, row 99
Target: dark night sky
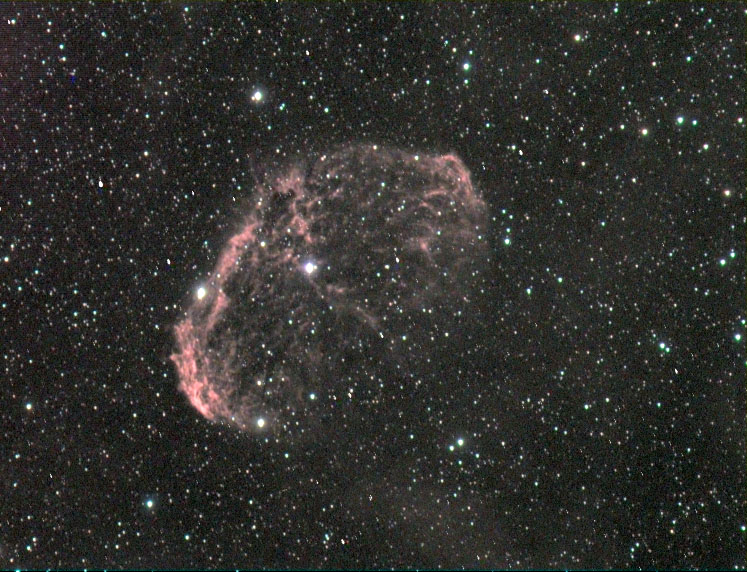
column 599, row 423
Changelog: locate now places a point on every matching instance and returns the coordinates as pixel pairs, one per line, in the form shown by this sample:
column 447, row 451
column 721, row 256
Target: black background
column 605, row 425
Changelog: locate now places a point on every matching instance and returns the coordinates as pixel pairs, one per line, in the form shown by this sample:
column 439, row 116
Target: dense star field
column 368, row 285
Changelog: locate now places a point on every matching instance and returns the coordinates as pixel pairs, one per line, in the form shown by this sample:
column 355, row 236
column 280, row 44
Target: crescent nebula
column 350, row 273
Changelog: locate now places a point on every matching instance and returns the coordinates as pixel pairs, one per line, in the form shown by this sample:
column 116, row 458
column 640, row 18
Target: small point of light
column 680, row 120
column 309, row 267
column 101, row 184
column 644, row 131
column 29, row 406
column 722, row 262
column 460, row 442
column 466, row 66
column 727, row 192
column 662, row 345
column 201, row 292
column 312, row 396
column 260, row 422
column 577, row 37
column 257, row 96
column 738, row 337
column 506, row 241
column 149, row 503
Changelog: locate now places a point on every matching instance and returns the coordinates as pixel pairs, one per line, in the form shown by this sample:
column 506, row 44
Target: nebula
column 349, row 273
